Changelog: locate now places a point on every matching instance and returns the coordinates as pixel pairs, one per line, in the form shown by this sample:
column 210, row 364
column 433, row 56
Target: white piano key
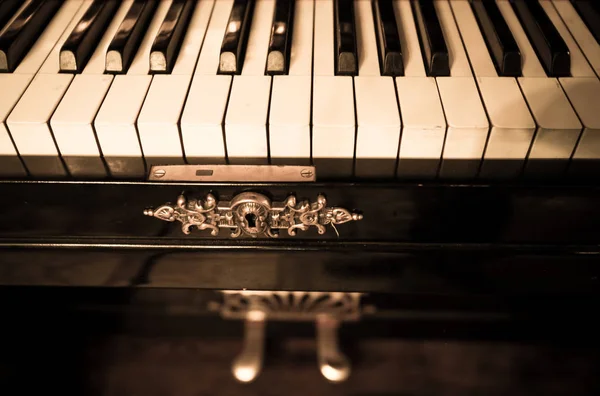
column 378, row 130
column 10, row 163
column 334, row 128
column 512, row 126
column 467, row 127
column 302, row 39
column 72, row 122
column 12, row 88
column 583, row 94
column 158, row 121
column 366, row 40
column 258, row 39
column 423, row 127
column 28, row 124
column 202, row 120
column 530, row 65
column 115, row 122
column 29, row 121
column 422, row 117
column 558, row 127
column 14, row 84
column 586, row 41
column 194, row 37
column 407, row 30
column 478, row 55
column 289, row 117
column 466, row 118
column 246, row 120
column 203, row 115
column 323, row 55
column 208, row 61
column 289, row 120
column 115, row 126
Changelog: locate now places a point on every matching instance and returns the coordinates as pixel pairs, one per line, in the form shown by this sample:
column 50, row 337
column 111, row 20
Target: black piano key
column 8, row 8
column 127, row 40
column 86, row 35
column 498, row 37
column 431, row 36
column 551, row 50
column 280, row 46
column 18, row 38
column 170, row 36
column 235, row 39
column 589, row 11
column 390, row 49
column 346, row 55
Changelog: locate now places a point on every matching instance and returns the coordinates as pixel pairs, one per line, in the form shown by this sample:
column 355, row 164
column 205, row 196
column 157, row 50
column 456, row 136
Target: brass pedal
column 327, row 310
column 248, row 364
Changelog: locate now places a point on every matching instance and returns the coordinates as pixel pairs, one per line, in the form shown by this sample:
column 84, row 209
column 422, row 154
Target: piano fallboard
column 413, row 238
column 113, row 212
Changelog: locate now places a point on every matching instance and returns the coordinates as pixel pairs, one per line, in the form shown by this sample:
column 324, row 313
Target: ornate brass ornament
column 253, row 214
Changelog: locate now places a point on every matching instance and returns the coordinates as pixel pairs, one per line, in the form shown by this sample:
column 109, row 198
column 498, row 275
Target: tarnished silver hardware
column 327, row 310
column 233, row 173
column 253, row 214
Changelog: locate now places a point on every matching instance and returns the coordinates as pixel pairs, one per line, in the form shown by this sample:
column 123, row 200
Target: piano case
column 391, row 237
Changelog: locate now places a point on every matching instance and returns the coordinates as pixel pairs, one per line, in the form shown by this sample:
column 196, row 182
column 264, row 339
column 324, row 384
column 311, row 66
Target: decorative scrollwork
column 253, row 214
column 290, row 305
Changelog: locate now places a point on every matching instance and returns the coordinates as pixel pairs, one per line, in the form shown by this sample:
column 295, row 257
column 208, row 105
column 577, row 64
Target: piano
column 306, row 160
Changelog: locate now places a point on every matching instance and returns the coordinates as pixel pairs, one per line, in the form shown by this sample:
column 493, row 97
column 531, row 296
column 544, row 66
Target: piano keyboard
column 381, row 89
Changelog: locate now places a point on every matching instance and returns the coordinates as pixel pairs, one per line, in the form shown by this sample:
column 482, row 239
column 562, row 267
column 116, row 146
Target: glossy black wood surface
column 393, row 212
column 170, row 36
column 547, row 42
column 414, row 239
column 280, row 44
column 18, row 38
column 128, row 37
column 345, row 52
column 589, row 11
column 185, row 312
column 8, row 10
column 155, row 342
column 431, row 37
column 86, row 35
column 447, row 270
column 236, row 36
column 498, row 38
column 390, row 49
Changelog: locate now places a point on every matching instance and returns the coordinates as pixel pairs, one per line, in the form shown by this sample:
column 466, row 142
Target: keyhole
column 251, row 219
